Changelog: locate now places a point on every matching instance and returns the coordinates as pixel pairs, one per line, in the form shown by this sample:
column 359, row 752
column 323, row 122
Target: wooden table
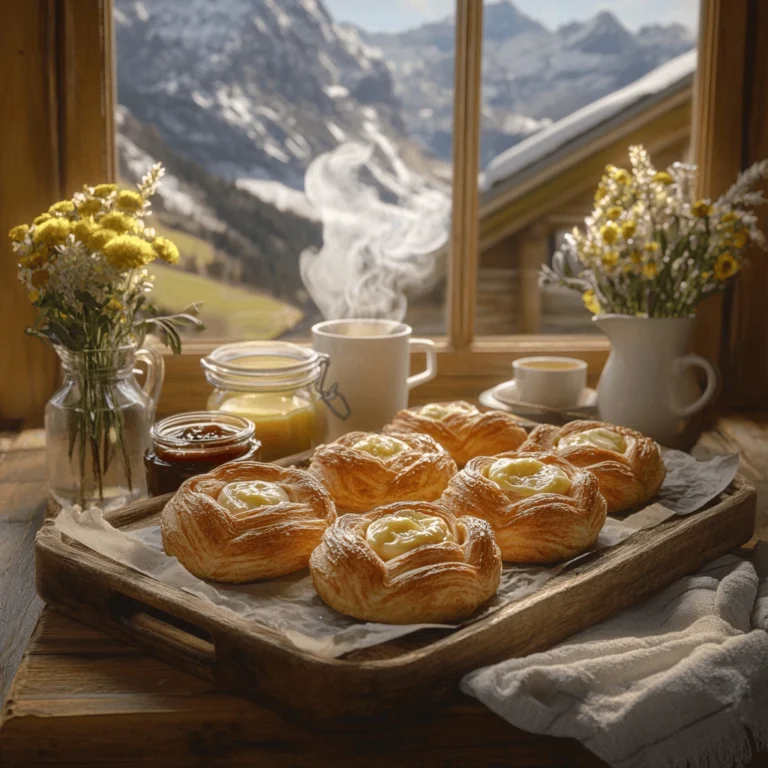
column 81, row 698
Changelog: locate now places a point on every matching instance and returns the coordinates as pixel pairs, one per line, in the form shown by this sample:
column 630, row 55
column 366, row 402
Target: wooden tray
column 399, row 676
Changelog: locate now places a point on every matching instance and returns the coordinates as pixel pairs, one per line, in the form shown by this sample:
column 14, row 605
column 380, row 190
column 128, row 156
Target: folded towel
column 681, row 680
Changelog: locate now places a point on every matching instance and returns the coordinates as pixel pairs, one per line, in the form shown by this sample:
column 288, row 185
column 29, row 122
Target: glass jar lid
column 256, row 366
column 201, row 431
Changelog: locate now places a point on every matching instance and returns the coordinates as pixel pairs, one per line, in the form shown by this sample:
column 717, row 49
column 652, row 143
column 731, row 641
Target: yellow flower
column 591, row 302
column 662, row 177
column 100, row 237
column 41, row 218
column 621, row 176
column 600, row 193
column 739, row 240
column 127, row 200
column 40, row 278
column 117, row 221
column 609, row 233
column 166, row 250
column 89, row 206
column 113, row 305
column 34, row 296
column 128, row 252
column 628, row 228
column 39, row 257
column 729, row 217
column 614, row 212
column 52, row 232
column 636, row 257
column 18, row 233
column 706, row 275
column 84, row 230
column 65, row 206
column 726, row 266
column 650, row 270
column 104, row 190
column 653, row 246
column 701, row 208
column 610, row 259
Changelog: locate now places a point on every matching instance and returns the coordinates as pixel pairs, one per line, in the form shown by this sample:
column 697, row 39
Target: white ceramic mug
column 556, row 382
column 370, row 363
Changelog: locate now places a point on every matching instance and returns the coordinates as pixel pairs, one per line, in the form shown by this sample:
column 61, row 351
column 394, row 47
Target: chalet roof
column 580, row 128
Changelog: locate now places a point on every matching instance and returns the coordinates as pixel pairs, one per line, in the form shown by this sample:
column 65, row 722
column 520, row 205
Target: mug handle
column 709, row 390
column 153, row 381
column 429, row 349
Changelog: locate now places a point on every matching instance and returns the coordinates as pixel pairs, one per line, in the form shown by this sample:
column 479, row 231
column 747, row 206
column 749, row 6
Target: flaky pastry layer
column 214, row 543
column 464, row 434
column 438, row 582
column 626, row 479
column 359, row 481
column 542, row 528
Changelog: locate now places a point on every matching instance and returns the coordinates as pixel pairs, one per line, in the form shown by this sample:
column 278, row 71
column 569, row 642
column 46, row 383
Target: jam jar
column 193, row 443
column 279, row 387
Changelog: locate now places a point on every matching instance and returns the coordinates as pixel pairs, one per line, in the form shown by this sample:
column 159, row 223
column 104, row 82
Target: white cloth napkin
column 681, row 680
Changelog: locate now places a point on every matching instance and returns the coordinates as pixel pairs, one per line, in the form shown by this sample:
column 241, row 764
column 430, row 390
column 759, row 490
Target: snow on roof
column 554, row 136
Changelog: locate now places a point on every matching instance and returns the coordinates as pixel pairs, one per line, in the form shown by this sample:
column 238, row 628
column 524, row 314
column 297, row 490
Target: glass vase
column 97, row 426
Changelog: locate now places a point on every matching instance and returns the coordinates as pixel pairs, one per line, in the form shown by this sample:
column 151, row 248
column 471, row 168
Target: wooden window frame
column 80, row 85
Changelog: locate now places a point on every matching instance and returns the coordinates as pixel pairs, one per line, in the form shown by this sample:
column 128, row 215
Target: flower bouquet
column 650, row 248
column 84, row 265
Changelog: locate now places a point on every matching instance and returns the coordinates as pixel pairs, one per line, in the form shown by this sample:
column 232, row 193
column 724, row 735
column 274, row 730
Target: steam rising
column 382, row 228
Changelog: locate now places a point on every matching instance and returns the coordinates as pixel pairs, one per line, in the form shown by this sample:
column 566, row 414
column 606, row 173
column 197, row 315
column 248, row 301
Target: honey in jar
column 276, row 386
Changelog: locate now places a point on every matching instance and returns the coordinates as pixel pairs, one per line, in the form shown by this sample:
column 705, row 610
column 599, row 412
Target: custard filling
column 249, row 494
column 400, row 532
column 526, row 476
column 438, row 411
column 381, row 446
column 599, row 437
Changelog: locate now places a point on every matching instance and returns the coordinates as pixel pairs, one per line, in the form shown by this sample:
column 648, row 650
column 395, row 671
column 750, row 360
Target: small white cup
column 370, row 362
column 555, row 382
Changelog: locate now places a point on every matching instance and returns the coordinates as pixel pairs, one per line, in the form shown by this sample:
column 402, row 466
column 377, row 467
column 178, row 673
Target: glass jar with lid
column 193, row 443
column 276, row 385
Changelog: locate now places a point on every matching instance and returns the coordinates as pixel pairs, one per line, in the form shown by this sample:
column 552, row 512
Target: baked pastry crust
column 439, row 582
column 626, row 479
column 541, row 528
column 465, row 433
column 215, row 543
column 359, row 481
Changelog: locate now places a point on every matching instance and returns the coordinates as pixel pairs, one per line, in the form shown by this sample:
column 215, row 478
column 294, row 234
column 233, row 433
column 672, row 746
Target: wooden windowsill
column 462, row 373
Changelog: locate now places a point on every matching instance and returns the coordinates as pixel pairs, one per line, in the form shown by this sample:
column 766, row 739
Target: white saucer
column 504, row 397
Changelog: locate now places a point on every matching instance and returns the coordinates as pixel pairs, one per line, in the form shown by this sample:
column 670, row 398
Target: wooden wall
column 730, row 133
column 56, row 129
column 29, row 183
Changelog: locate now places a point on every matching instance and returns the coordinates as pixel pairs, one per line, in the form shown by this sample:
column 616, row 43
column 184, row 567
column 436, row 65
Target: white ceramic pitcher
column 649, row 383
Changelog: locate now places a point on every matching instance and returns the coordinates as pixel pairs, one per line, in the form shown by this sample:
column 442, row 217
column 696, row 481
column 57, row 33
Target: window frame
column 82, row 87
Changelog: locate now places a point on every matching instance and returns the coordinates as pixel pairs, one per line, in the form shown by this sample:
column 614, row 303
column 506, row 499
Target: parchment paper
column 291, row 607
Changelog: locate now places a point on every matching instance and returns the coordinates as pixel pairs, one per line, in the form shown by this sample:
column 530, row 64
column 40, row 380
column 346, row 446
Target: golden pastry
column 462, row 429
column 404, row 563
column 542, row 509
column 244, row 521
column 363, row 470
column 628, row 465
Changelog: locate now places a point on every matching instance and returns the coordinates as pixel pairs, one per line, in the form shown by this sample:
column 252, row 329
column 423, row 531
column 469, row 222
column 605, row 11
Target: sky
column 396, row 15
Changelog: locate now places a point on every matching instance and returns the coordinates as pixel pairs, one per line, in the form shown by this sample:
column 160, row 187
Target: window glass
column 308, row 154
column 568, row 85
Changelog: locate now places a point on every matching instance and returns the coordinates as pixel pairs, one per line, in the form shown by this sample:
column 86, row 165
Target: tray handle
column 162, row 630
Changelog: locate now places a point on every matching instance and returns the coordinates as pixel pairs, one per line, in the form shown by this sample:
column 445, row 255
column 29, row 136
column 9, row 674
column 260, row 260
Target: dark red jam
column 194, row 443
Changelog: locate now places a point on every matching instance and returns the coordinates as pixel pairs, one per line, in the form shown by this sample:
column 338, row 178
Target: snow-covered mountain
column 531, row 75
column 250, row 88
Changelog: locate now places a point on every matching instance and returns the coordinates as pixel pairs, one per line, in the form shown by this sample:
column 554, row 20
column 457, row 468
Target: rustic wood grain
column 21, row 514
column 239, row 655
